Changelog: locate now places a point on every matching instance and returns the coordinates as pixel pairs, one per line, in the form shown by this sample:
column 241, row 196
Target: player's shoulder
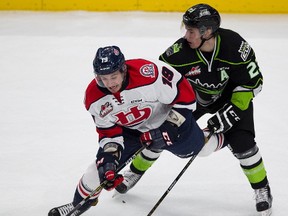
column 137, row 64
column 177, row 47
column 92, row 94
column 230, row 37
column 177, row 53
column 142, row 72
column 233, row 46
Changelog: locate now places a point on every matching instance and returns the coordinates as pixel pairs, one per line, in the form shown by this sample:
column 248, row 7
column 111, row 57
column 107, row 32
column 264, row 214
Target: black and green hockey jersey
column 229, row 73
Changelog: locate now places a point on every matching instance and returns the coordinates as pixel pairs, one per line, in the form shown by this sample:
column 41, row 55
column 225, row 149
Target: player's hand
column 107, row 165
column 152, row 139
column 224, row 119
column 158, row 138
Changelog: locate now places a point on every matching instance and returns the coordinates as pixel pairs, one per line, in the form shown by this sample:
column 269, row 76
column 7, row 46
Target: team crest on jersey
column 194, row 71
column 135, row 115
column 105, row 109
column 147, row 70
column 244, row 49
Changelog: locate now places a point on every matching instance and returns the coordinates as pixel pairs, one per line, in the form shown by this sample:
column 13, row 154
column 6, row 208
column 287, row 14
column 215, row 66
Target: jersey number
column 253, row 71
column 167, row 76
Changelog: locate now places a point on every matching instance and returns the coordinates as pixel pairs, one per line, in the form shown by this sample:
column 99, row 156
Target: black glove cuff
column 225, row 118
column 235, row 113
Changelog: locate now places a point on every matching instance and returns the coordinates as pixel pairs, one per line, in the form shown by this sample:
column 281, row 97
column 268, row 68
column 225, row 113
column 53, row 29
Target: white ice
column 47, row 137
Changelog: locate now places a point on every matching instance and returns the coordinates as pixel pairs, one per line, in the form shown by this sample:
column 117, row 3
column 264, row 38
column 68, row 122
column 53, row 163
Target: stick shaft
column 172, row 185
column 176, row 180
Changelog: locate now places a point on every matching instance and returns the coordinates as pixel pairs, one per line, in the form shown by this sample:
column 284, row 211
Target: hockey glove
column 107, row 164
column 224, row 118
column 158, row 138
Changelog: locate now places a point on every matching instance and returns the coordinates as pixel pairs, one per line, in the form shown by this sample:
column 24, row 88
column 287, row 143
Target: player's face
column 193, row 37
column 113, row 82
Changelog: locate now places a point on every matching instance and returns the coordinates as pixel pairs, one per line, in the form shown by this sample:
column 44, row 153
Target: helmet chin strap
column 203, row 40
column 125, row 78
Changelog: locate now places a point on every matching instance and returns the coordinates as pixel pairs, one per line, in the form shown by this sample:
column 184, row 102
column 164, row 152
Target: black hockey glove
column 158, row 138
column 107, row 164
column 224, row 119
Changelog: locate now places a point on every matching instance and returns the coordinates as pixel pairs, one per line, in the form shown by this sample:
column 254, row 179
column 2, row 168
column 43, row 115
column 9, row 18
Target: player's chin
column 114, row 89
column 192, row 45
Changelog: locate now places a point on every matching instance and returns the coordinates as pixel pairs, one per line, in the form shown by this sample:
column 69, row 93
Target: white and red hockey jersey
column 149, row 93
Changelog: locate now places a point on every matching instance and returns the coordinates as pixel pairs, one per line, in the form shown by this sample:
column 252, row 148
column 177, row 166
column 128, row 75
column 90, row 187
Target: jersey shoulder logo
column 147, row 70
column 244, row 49
column 175, row 48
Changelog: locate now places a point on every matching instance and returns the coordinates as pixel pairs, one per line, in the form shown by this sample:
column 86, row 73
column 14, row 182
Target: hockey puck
column 123, row 201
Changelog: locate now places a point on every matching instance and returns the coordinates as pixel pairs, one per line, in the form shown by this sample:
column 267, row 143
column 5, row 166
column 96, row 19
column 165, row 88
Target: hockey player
column 133, row 103
column 222, row 68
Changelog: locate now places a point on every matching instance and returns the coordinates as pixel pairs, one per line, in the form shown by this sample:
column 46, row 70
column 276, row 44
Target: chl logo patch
column 105, row 109
column 194, row 71
column 147, row 70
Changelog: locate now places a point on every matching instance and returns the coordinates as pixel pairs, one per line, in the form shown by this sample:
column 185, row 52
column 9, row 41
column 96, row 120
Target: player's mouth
column 114, row 88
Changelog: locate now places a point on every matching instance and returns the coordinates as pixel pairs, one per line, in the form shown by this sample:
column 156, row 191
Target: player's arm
column 111, row 142
column 111, row 145
column 172, row 89
column 249, row 79
column 250, row 82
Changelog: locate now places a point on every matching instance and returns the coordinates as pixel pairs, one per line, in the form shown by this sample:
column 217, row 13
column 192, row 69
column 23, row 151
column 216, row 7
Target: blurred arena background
column 227, row 6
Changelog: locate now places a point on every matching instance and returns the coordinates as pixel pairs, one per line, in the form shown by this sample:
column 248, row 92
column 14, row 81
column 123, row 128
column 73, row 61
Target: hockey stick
column 176, row 180
column 79, row 205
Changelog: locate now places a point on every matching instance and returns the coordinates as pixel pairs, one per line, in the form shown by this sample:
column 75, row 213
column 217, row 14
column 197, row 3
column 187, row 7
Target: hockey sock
column 78, row 198
column 213, row 144
column 144, row 161
column 253, row 167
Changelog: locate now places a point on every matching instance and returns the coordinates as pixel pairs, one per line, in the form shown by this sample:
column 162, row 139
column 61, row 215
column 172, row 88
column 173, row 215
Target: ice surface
column 47, row 137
